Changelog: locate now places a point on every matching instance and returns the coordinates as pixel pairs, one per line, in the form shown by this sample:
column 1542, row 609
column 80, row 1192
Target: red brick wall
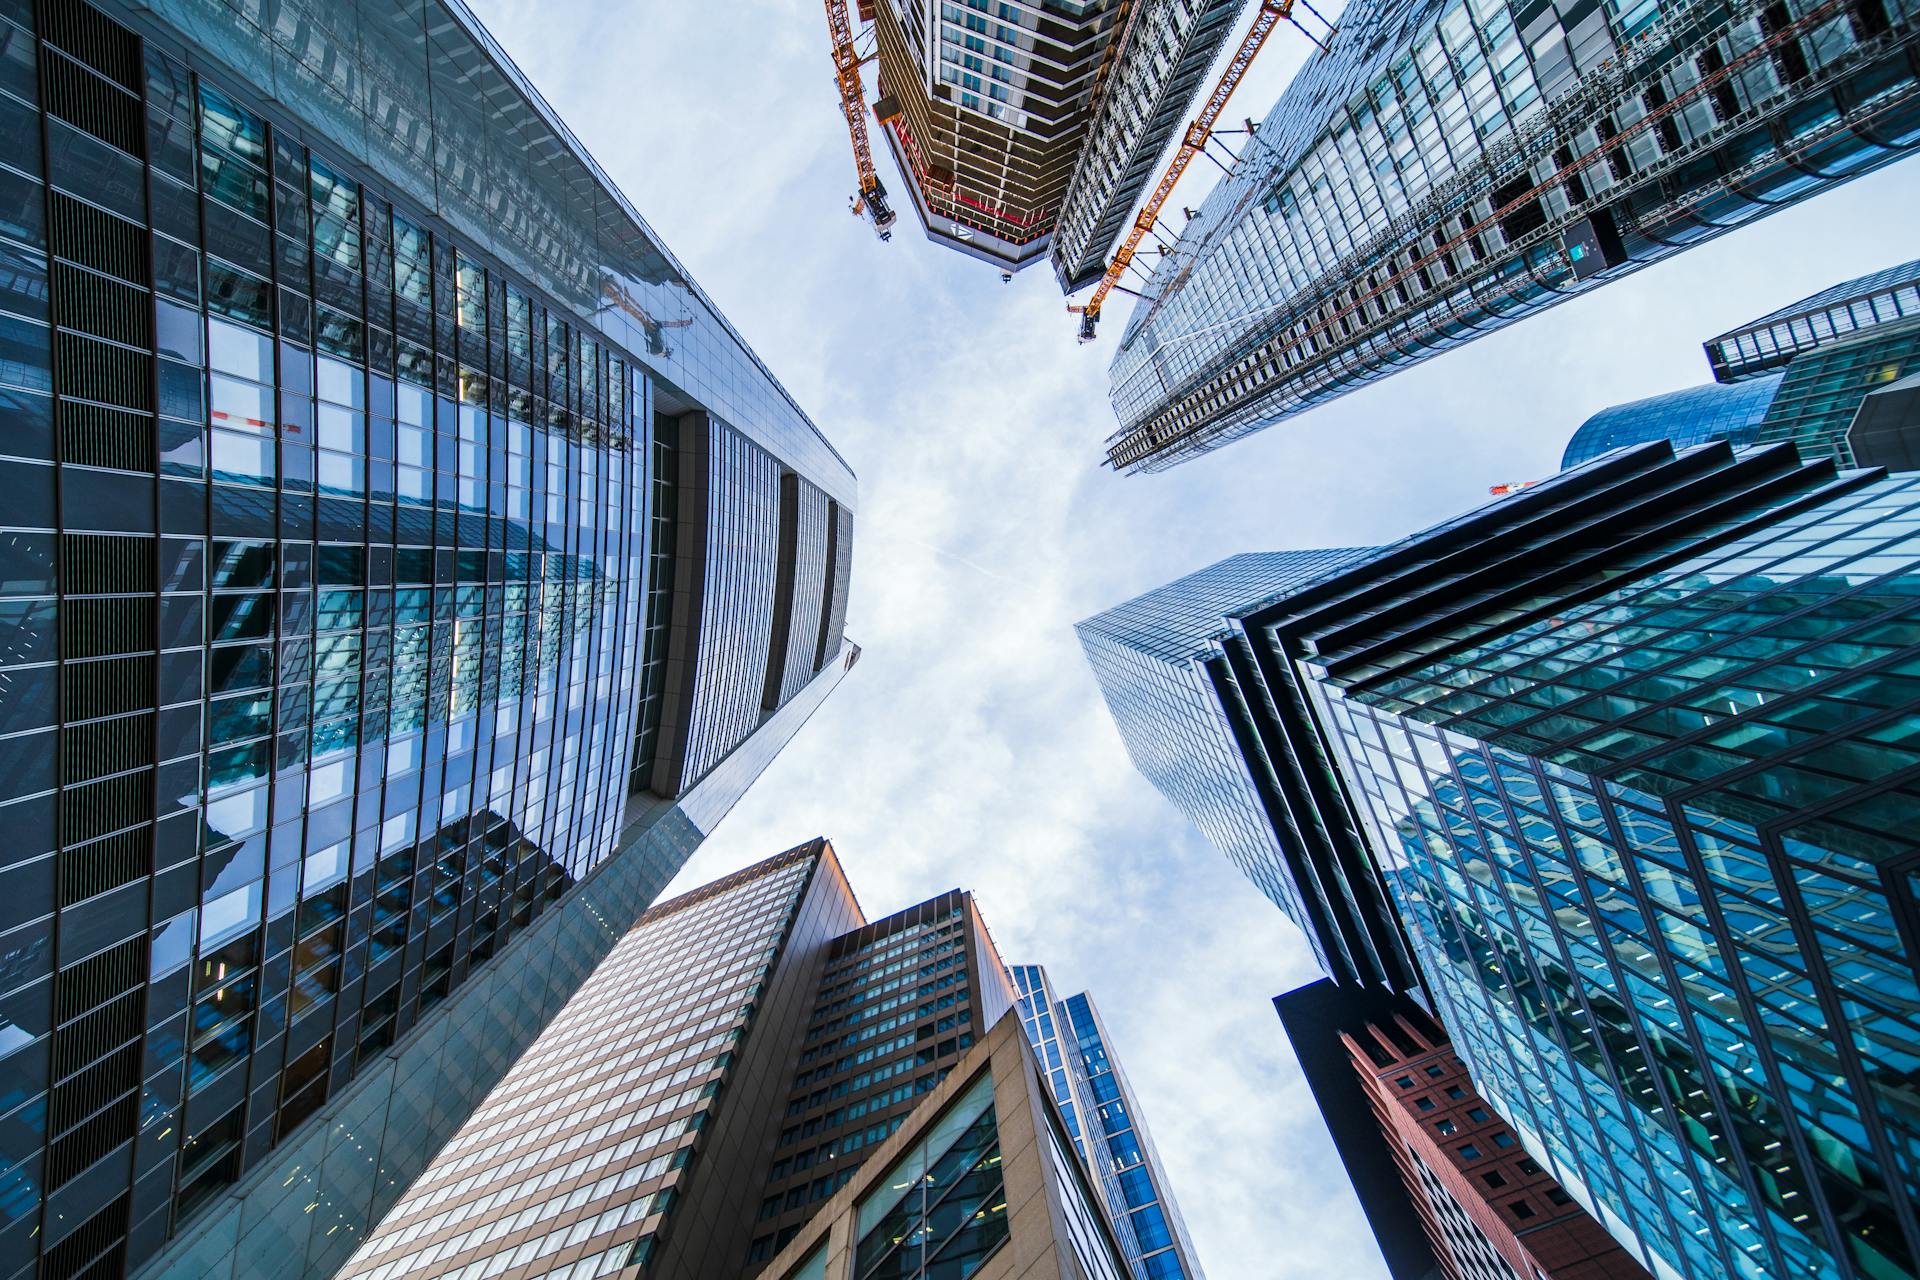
column 1426, row 1104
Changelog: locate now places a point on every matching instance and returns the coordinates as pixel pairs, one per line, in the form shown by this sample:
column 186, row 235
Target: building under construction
column 1444, row 167
column 1027, row 128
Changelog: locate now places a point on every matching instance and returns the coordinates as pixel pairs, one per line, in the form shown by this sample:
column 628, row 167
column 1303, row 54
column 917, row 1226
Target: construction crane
column 871, row 199
column 652, row 329
column 1272, row 13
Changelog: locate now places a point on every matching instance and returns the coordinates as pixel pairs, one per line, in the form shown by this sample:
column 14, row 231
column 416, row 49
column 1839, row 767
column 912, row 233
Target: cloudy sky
column 970, row 746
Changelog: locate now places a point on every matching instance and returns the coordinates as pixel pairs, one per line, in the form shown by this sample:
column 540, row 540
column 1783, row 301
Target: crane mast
column 1272, row 12
column 871, row 198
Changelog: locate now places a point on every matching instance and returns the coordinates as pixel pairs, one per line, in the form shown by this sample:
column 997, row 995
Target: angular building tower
column 1445, row 168
column 897, row 1004
column 1162, row 661
column 1141, row 94
column 1633, row 755
column 1108, row 1127
column 979, row 1183
column 405, row 565
column 650, row 1102
column 749, row 1051
column 1447, row 1188
column 1801, row 373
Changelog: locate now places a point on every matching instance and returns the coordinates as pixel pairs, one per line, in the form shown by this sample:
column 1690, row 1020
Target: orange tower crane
column 1272, row 13
column 871, row 198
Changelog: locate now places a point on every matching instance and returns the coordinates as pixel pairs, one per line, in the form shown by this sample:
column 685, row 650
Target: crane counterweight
column 871, row 196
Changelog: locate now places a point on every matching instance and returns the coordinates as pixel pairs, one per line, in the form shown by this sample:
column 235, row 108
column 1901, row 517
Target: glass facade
column 1798, row 374
column 1696, row 415
column 1163, row 702
column 1141, row 93
column 900, row 1002
column 1448, row 166
column 1823, row 389
column 577, row 1161
column 980, row 1180
column 1634, row 751
column 1476, row 1198
column 1872, row 301
column 1102, row 1118
column 331, row 569
column 941, row 1208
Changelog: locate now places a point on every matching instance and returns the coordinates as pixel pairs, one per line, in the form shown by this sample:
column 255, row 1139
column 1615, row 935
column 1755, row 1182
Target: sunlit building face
column 402, row 567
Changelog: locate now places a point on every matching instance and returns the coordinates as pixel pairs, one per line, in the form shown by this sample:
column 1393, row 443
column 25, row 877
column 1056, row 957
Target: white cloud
column 970, row 747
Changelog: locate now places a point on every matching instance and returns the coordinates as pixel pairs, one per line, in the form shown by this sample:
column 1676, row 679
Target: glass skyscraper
column 1446, row 1186
column 750, row 1050
column 1633, row 756
column 402, row 567
column 1162, row 662
column 1800, row 373
column 1108, row 1128
column 1695, row 415
column 1448, row 166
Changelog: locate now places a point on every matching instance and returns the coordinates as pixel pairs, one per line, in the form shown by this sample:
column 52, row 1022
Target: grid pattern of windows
column 1467, row 1248
column 937, row 1206
column 1489, row 1209
column 1141, row 94
column 322, row 600
column 1883, row 298
column 1799, row 374
column 1822, row 390
column 1102, row 1119
column 942, row 1208
column 1715, row 411
column 579, row 1155
column 1634, row 752
column 896, row 1009
column 1675, row 930
column 1142, row 654
column 1452, row 165
column 993, row 102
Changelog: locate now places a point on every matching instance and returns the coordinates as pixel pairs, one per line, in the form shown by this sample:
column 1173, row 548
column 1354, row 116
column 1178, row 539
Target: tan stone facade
column 1055, row 1226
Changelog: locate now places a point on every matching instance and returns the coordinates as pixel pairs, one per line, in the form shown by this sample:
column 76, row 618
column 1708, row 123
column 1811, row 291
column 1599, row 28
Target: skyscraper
column 750, row 1050
column 1631, row 756
column 898, row 1003
column 1142, row 91
column 1011, row 122
column 1800, row 373
column 1455, row 1197
column 1108, row 1126
column 980, row 1182
column 640, row 1108
column 1162, row 661
column 406, row 566
column 985, row 113
column 1445, row 168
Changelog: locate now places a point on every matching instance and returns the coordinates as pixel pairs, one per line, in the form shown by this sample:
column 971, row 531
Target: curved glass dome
column 1697, row 415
